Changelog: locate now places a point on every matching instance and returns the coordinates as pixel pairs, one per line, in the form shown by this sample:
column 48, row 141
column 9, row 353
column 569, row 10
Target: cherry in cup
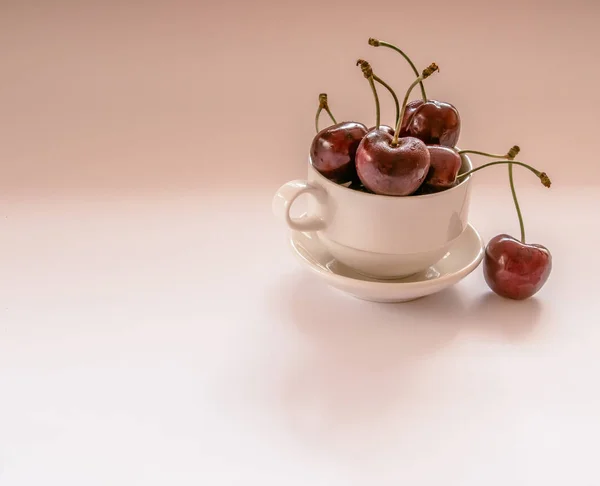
column 434, row 122
column 446, row 162
column 390, row 165
column 333, row 149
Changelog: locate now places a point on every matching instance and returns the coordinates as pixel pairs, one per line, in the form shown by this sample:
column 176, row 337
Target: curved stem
column 541, row 175
column 377, row 107
column 323, row 105
column 330, row 114
column 317, row 118
column 386, row 86
column 477, row 152
column 516, row 201
column 404, row 102
column 376, row 43
column 510, row 155
column 368, row 73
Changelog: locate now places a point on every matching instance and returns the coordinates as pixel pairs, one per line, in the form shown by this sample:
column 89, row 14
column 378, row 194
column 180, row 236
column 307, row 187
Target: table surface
column 174, row 339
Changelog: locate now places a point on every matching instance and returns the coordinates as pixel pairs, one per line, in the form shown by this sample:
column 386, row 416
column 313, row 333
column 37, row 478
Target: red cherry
column 515, row 270
column 383, row 128
column 445, row 163
column 333, row 150
column 434, row 122
column 391, row 169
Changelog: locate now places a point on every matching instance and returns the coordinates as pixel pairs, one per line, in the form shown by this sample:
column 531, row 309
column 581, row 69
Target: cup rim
column 419, row 196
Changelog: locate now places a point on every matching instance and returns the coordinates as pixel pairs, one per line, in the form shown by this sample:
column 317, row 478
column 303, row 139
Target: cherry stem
column 377, row 43
column 368, row 73
column 323, row 105
column 386, row 86
column 516, row 201
column 377, row 107
column 426, row 73
column 510, row 155
column 541, row 175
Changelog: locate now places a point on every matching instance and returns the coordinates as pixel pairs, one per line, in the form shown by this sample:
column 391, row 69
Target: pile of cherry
column 419, row 156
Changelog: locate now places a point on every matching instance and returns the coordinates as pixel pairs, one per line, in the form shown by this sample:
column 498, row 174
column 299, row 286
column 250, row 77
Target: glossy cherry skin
column 433, row 122
column 445, row 163
column 385, row 128
column 391, row 171
column 333, row 150
column 515, row 270
column 409, row 111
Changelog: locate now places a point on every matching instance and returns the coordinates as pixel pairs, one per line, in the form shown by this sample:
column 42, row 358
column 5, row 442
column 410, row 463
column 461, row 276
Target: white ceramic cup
column 378, row 236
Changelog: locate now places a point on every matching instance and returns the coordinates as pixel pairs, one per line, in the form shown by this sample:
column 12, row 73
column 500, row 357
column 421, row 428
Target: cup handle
column 285, row 197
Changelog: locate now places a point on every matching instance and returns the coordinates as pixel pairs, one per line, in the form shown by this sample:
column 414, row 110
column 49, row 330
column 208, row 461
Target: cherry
column 333, row 149
column 391, row 169
column 433, row 122
column 389, row 165
column 515, row 270
column 384, row 128
column 512, row 268
column 445, row 163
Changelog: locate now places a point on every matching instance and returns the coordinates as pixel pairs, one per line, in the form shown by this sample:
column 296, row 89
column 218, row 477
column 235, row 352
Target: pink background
column 155, row 328
column 126, row 95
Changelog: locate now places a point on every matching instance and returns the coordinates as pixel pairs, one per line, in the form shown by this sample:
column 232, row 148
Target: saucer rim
column 459, row 275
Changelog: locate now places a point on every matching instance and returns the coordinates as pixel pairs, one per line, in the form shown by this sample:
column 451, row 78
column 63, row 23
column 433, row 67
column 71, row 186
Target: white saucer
column 462, row 258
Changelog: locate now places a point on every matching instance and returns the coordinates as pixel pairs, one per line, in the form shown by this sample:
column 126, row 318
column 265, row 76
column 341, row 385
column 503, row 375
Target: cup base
column 384, row 266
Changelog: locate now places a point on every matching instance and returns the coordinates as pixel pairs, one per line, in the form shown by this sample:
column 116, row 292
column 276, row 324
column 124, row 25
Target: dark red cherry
column 391, row 170
column 515, row 270
column 409, row 111
column 445, row 162
column 384, row 128
column 433, row 122
column 333, row 150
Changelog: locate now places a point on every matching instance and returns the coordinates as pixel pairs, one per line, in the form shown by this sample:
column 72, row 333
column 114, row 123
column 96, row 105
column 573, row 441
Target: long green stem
column 386, row 86
column 426, row 73
column 368, row 73
column 477, row 152
column 377, row 43
column 317, row 119
column 323, row 105
column 516, row 201
column 330, row 114
column 541, row 175
column 377, row 107
column 510, row 155
column 404, row 102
